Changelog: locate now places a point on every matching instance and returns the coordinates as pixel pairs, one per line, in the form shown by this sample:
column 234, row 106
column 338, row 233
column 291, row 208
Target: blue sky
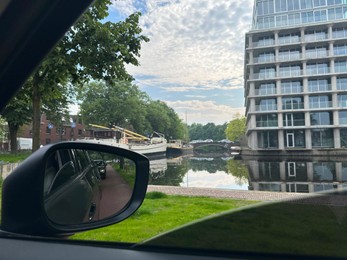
column 194, row 60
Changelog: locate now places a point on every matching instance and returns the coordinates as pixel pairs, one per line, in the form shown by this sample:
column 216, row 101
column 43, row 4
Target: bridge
column 228, row 146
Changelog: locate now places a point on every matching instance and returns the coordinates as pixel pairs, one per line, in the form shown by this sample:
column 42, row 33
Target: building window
column 267, row 73
column 288, row 38
column 281, row 5
column 290, row 71
column 265, row 89
column 317, row 85
column 307, row 17
column 265, row 57
column 339, row 33
column 311, row 36
column 340, row 66
column 306, row 4
column 267, row 139
column 266, row 105
column 343, row 138
column 48, row 130
column 316, row 52
column 293, row 54
column 317, row 68
column 343, row 117
column 341, row 83
column 288, row 87
column 80, row 132
column 294, row 138
column 321, row 118
column 291, row 103
column 267, row 120
column 265, row 41
column 342, row 100
column 48, row 141
column 320, row 101
column 322, row 138
column 293, row 119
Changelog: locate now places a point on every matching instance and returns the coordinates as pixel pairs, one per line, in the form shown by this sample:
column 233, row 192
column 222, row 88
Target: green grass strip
column 160, row 213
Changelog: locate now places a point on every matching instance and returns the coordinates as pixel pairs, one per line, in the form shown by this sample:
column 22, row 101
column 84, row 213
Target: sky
column 194, row 59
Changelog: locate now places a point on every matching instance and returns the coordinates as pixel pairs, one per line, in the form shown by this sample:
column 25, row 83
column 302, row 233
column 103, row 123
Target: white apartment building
column 296, row 75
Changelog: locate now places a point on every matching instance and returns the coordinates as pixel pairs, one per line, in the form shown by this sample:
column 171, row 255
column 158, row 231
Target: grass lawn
column 160, row 213
column 17, row 157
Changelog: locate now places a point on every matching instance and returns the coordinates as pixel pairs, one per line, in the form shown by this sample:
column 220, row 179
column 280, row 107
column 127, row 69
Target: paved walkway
column 222, row 193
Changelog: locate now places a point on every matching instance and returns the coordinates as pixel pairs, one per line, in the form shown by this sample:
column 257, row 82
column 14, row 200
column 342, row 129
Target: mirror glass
column 85, row 185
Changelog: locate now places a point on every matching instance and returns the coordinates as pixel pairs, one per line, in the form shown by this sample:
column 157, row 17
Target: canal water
column 204, row 172
column 279, row 175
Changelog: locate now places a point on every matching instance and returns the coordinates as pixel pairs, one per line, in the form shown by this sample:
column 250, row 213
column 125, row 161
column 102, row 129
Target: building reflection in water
column 297, row 176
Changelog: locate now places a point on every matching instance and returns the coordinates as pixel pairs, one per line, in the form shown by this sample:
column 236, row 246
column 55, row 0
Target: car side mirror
column 71, row 187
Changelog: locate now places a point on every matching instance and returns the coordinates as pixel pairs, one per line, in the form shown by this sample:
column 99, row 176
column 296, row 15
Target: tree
column 124, row 105
column 208, row 131
column 90, row 50
column 120, row 103
column 236, row 129
column 165, row 120
column 17, row 113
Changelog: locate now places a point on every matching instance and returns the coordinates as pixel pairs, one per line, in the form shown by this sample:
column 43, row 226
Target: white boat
column 132, row 141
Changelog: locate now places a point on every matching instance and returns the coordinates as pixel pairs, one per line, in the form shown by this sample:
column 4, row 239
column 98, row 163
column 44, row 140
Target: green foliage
column 120, row 103
column 169, row 211
column 238, row 169
column 208, row 131
column 236, row 129
column 123, row 104
column 92, row 49
column 165, row 120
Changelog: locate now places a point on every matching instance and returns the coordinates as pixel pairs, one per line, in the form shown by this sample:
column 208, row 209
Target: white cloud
column 219, row 179
column 194, row 45
column 195, row 42
column 204, row 111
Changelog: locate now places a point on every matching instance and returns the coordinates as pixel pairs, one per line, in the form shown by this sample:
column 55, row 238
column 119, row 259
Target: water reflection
column 280, row 175
column 297, row 176
column 220, row 172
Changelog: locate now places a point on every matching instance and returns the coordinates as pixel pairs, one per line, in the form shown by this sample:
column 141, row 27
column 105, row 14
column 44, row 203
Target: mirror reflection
column 85, row 185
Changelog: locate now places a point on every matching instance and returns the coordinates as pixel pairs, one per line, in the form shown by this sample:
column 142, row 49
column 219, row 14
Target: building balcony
column 266, row 107
column 293, row 106
column 318, row 105
column 267, row 123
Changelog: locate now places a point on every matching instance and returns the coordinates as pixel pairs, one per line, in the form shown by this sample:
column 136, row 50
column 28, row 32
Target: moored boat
column 123, row 138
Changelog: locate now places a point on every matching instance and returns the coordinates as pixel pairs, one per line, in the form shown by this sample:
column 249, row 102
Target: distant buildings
column 69, row 129
column 296, row 75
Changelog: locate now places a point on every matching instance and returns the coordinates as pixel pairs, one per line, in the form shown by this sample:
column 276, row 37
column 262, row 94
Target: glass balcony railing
column 295, row 122
column 268, row 75
column 265, row 92
column 293, row 106
column 288, row 40
column 264, row 59
column 342, row 103
column 269, row 123
column 322, row 104
column 291, row 73
column 290, row 90
column 266, row 107
column 289, row 57
column 316, row 54
column 264, row 43
column 320, row 88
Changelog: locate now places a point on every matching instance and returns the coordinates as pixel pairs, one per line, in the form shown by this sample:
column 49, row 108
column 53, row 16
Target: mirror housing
column 23, row 210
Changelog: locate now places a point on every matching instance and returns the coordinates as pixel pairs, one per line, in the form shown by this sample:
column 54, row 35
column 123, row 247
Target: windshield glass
column 237, row 104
